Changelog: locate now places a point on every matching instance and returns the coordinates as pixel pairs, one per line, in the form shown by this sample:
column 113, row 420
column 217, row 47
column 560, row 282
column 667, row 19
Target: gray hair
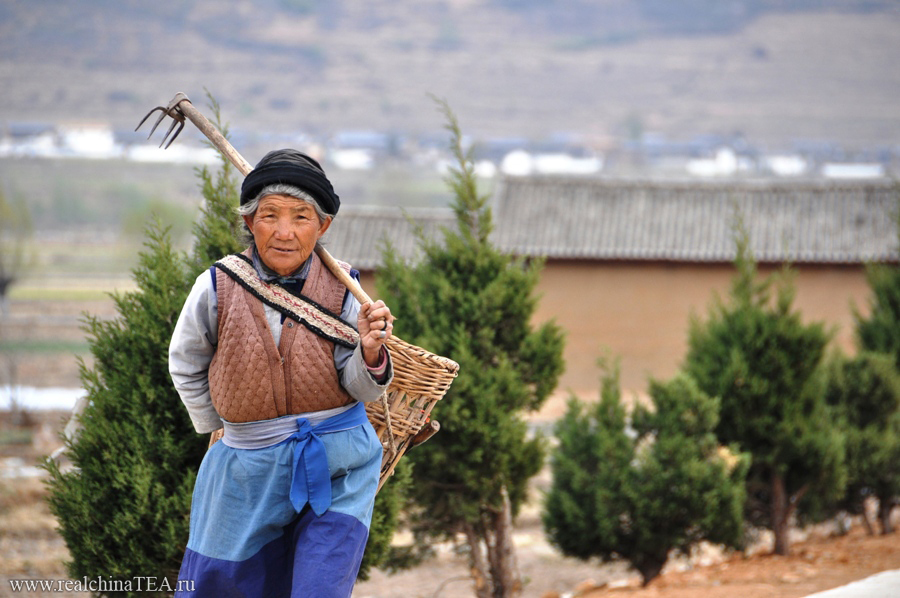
column 249, row 208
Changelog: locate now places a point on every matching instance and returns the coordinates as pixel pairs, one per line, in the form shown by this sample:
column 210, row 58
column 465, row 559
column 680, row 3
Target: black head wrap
column 295, row 168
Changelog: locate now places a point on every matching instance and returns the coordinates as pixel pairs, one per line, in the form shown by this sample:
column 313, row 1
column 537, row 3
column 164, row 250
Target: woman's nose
column 283, row 228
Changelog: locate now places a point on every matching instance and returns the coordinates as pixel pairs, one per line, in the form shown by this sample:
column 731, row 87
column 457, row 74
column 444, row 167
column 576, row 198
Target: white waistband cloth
column 269, row 432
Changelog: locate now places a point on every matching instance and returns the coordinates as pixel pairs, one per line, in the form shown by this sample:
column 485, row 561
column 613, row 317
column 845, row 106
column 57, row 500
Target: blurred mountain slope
column 773, row 69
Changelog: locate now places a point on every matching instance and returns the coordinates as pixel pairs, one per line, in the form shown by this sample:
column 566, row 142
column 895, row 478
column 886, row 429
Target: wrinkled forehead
column 287, row 203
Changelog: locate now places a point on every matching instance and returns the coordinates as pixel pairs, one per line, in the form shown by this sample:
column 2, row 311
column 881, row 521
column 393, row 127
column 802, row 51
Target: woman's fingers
column 375, row 321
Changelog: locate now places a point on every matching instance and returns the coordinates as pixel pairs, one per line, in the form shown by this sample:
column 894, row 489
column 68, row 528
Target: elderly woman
column 272, row 347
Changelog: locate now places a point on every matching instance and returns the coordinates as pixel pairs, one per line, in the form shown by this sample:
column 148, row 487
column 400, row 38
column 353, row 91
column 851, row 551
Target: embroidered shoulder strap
column 299, row 308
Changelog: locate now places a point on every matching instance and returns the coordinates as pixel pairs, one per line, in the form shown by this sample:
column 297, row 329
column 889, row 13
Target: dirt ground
column 30, row 548
column 819, row 562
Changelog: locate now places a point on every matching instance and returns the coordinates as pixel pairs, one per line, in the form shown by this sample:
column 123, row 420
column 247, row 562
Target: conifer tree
column 122, row 509
column 639, row 490
column 880, row 332
column 865, row 392
column 467, row 300
column 756, row 354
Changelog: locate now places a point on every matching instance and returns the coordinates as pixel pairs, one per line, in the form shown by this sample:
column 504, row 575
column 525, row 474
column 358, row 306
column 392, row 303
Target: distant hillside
column 777, row 70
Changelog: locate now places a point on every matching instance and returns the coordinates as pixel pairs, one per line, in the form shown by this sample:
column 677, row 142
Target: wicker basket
column 420, row 380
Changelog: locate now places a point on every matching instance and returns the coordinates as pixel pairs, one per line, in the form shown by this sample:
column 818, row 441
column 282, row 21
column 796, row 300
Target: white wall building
column 835, row 170
column 89, row 141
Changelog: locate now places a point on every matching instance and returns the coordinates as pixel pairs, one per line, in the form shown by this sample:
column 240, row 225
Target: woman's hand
column 375, row 324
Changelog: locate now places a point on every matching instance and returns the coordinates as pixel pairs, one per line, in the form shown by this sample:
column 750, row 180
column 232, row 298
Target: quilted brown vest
column 250, row 379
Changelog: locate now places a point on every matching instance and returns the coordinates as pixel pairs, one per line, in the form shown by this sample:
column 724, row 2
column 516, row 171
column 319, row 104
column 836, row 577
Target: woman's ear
column 248, row 220
column 323, row 226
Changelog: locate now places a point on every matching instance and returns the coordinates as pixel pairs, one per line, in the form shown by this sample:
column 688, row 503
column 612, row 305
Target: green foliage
column 385, row 518
column 123, row 509
column 874, row 441
column 640, row 492
column 756, row 354
column 865, row 393
column 880, row 330
column 15, row 230
column 217, row 232
column 177, row 219
column 467, row 300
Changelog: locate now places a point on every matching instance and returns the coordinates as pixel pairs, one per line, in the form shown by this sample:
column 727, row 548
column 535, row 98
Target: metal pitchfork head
column 170, row 110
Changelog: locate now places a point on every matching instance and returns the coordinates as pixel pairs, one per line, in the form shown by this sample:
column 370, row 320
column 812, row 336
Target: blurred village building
column 702, row 157
column 629, row 262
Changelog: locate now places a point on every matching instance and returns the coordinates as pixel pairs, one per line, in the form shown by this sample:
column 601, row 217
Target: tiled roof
column 358, row 233
column 690, row 221
column 597, row 219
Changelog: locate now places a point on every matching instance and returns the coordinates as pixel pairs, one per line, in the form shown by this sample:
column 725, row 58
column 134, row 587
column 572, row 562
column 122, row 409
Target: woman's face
column 285, row 231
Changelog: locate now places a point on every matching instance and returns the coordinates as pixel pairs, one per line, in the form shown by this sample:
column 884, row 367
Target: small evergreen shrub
column 865, row 393
column 640, row 489
column 755, row 353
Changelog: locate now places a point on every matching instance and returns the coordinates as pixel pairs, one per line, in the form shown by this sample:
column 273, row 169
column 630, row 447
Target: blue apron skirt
column 290, row 519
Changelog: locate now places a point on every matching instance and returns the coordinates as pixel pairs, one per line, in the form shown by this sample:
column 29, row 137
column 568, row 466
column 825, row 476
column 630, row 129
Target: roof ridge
column 608, row 219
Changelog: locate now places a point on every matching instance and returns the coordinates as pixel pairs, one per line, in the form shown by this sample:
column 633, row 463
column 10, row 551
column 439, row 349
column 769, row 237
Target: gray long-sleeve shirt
column 195, row 339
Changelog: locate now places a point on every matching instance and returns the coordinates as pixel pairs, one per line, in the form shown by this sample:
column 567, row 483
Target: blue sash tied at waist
column 311, row 481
